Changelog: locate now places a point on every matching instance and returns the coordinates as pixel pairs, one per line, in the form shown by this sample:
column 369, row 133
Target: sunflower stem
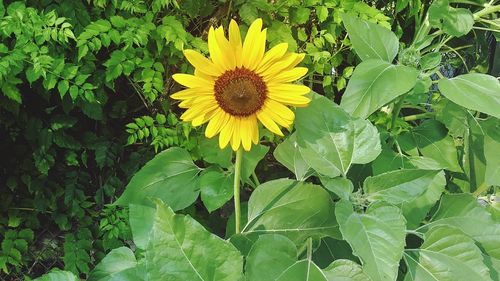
column 237, row 176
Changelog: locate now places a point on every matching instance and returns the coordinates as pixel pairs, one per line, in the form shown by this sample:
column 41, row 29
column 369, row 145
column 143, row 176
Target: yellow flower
column 240, row 85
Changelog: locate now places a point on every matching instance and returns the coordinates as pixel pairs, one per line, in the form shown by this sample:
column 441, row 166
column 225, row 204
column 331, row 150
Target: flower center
column 240, row 92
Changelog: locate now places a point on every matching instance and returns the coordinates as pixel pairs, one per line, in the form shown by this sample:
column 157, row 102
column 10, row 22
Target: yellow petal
column 216, row 123
column 255, row 130
column 288, row 75
column 266, row 120
column 278, row 119
column 191, row 93
column 235, row 41
column 225, row 48
column 271, row 56
column 201, row 63
column 226, row 133
column 246, row 130
column 250, row 47
column 215, row 53
column 280, row 109
column 192, row 81
column 283, row 98
column 198, row 109
column 289, row 89
column 202, row 119
column 236, row 139
column 278, row 66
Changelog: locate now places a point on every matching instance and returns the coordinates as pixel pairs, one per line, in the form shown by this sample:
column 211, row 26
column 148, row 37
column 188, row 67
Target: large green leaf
column 297, row 210
column 288, row 154
column 453, row 21
column 375, row 83
column 446, row 255
column 345, row 270
column 304, row 270
column 465, row 213
column 216, row 189
column 370, row 40
column 377, row 237
column 141, row 220
column 399, row 186
column 117, row 265
column 181, row 249
column 170, row 176
column 416, row 210
column 432, row 141
column 330, row 141
column 269, row 257
column 58, row 275
column 492, row 151
column 250, row 160
column 475, row 91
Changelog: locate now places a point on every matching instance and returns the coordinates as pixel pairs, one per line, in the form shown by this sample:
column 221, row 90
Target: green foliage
column 395, row 180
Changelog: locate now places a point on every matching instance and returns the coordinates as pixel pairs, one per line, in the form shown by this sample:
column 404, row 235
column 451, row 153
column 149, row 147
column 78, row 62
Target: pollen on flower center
column 240, row 92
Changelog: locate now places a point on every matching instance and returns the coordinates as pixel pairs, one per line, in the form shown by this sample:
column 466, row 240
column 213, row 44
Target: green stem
column 309, row 248
column 418, row 116
column 237, row 176
column 486, row 11
column 396, row 110
column 255, row 179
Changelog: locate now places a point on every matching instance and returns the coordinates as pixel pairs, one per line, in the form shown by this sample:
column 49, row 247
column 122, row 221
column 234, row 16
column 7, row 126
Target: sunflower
column 240, row 85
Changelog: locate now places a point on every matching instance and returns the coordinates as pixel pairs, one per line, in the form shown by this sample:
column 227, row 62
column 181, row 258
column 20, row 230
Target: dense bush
column 396, row 183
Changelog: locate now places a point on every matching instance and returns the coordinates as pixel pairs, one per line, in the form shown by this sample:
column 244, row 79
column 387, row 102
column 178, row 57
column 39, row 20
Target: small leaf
column 63, row 87
column 344, row 270
column 119, row 264
column 288, row 154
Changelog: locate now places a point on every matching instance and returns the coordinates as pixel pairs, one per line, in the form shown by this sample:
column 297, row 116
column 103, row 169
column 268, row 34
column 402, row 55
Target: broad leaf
column 297, row 210
column 170, row 176
column 141, row 220
column 370, row 40
column 330, row 141
column 453, row 21
column 465, row 213
column 345, row 270
column 117, row 265
column 181, row 249
column 432, row 141
column 250, row 160
column 375, row 83
column 216, row 189
column 416, row 210
column 269, row 257
column 288, row 154
column 446, row 254
column 58, row 275
column 475, row 91
column 399, row 186
column 342, row 187
column 377, row 237
column 492, row 151
column 302, row 271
